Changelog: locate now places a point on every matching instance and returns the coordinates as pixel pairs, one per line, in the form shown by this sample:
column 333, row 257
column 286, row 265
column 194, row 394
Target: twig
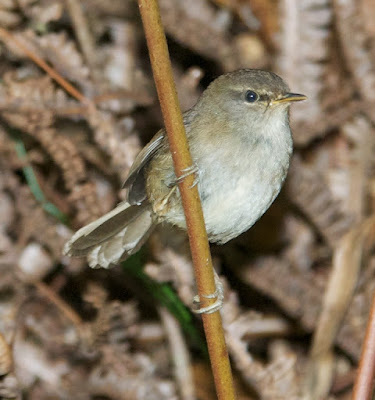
column 6, row 360
column 83, row 34
column 364, row 384
column 5, row 35
column 178, row 144
column 179, row 353
column 347, row 260
column 46, row 291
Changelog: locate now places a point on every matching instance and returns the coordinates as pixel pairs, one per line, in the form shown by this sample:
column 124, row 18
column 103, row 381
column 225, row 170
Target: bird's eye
column 251, row 96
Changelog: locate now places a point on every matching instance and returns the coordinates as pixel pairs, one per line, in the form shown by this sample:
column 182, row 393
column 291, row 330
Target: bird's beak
column 289, row 97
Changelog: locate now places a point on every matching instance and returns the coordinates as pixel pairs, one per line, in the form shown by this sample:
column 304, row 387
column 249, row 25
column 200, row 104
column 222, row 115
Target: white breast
column 237, row 190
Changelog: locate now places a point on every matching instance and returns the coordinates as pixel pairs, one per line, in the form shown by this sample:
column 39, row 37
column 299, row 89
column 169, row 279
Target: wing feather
column 136, row 179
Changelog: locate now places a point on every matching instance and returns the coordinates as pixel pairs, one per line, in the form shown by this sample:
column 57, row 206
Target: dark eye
column 251, row 96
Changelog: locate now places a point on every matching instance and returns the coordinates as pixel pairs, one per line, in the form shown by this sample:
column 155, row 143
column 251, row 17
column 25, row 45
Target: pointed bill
column 290, row 97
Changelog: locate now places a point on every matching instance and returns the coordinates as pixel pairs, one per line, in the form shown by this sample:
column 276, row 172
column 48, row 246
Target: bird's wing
column 136, row 179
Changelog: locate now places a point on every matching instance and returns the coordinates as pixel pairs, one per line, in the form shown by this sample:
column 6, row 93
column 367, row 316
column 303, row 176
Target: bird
column 241, row 144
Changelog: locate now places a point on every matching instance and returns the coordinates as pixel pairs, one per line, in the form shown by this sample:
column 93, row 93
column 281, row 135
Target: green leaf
column 32, row 181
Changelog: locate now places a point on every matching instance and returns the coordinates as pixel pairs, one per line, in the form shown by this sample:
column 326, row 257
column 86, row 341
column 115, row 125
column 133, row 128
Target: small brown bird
column 240, row 141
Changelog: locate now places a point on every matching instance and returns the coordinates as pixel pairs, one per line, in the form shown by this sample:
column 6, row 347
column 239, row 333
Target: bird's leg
column 193, row 169
column 159, row 206
column 219, row 295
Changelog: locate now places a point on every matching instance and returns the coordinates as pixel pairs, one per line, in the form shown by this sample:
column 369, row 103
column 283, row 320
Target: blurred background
column 298, row 285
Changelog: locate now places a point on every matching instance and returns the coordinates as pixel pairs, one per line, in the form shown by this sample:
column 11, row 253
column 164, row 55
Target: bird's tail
column 113, row 237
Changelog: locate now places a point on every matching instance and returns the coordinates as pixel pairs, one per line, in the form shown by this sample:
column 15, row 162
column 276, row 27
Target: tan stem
column 179, row 148
column 364, row 385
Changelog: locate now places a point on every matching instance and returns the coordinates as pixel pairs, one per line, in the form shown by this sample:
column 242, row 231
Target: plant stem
column 363, row 388
column 179, row 148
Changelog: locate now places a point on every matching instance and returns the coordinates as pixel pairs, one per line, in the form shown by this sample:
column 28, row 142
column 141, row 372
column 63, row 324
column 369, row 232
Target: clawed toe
column 218, row 294
column 193, row 169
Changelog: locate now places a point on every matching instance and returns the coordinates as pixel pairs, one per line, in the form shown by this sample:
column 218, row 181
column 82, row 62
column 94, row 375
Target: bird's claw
column 193, row 169
column 218, row 294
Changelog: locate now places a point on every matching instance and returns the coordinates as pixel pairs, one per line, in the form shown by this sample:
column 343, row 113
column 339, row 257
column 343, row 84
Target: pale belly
column 236, row 205
column 236, row 187
column 234, row 198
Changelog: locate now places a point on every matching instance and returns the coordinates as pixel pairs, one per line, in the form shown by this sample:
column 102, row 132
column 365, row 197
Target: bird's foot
column 160, row 206
column 193, row 169
column 218, row 294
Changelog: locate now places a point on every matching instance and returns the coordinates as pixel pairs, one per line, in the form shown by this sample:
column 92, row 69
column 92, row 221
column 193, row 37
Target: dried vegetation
column 298, row 285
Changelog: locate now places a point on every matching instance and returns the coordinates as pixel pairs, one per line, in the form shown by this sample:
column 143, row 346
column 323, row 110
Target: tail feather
column 113, row 237
column 124, row 244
